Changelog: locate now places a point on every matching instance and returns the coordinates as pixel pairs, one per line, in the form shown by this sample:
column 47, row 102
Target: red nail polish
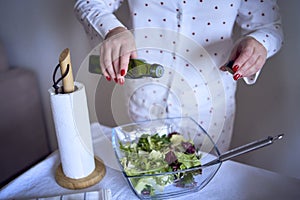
column 122, row 72
column 237, row 76
column 235, row 68
column 108, row 78
column 116, row 80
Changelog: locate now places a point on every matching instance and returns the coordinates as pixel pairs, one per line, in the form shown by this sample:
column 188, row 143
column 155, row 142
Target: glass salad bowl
column 163, row 158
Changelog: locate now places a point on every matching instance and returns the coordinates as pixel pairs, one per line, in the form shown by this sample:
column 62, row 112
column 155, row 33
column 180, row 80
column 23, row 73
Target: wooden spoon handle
column 64, row 61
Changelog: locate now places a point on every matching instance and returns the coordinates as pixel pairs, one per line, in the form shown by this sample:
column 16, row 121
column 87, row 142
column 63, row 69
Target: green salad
column 155, row 154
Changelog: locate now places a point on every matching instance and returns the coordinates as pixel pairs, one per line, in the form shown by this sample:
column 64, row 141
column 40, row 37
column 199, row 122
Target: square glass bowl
column 158, row 174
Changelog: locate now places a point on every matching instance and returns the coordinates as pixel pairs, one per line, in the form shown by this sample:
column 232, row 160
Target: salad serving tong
column 244, row 149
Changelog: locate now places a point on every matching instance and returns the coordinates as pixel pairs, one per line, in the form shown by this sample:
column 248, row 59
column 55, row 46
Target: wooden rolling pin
column 64, row 61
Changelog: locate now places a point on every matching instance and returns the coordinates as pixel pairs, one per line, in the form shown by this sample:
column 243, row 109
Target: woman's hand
column 248, row 57
column 115, row 52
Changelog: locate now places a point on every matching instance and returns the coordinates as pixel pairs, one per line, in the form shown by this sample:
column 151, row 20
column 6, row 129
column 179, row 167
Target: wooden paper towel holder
column 81, row 183
column 99, row 171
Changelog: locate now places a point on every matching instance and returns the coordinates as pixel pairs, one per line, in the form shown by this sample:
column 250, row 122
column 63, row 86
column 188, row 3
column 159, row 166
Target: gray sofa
column 23, row 136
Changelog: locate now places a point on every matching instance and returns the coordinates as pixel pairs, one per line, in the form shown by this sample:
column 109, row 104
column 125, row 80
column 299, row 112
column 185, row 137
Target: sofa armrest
column 23, row 136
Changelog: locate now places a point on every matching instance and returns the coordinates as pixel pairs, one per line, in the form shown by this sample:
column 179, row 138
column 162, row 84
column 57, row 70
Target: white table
column 233, row 180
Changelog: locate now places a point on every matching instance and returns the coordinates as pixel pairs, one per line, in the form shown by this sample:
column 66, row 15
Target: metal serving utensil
column 244, row 149
column 229, row 154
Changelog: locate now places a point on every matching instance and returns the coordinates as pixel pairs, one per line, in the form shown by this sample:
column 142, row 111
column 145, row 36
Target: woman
column 189, row 87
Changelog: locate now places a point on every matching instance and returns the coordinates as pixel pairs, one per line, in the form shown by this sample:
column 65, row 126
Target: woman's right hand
column 115, row 52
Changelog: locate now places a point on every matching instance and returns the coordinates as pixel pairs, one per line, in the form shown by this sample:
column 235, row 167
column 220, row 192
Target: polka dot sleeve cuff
column 252, row 79
column 262, row 21
column 97, row 15
column 107, row 23
column 271, row 40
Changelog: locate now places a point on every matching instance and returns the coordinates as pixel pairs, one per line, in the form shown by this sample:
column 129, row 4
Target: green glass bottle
column 137, row 68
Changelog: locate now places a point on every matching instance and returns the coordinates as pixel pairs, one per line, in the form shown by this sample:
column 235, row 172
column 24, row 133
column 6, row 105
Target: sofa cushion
column 23, row 135
column 3, row 58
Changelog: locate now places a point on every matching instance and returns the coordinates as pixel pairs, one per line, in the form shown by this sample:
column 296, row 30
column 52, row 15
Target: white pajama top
column 191, row 39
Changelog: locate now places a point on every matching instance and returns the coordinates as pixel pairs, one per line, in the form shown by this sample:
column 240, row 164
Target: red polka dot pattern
column 209, row 23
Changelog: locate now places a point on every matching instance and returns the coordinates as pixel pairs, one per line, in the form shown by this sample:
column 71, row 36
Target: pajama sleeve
column 261, row 20
column 98, row 15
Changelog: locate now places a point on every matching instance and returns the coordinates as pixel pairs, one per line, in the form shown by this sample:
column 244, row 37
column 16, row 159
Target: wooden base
column 74, row 184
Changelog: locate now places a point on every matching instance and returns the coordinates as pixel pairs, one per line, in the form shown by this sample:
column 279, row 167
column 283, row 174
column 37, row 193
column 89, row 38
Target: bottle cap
column 156, row 71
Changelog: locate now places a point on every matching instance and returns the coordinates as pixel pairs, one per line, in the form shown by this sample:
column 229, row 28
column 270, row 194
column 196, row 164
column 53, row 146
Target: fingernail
column 116, row 80
column 108, row 78
column 122, row 72
column 235, row 68
column 237, row 76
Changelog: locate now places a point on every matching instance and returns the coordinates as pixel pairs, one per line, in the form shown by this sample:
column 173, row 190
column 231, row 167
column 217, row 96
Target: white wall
column 36, row 31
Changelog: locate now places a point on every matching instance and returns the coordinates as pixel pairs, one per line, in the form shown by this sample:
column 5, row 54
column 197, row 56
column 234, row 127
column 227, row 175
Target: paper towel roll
column 72, row 125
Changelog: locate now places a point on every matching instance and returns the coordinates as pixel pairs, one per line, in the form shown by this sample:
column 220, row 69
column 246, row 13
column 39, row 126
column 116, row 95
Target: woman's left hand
column 248, row 57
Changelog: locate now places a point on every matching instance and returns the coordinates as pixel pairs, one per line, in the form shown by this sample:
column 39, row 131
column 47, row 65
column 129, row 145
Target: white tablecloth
column 233, row 180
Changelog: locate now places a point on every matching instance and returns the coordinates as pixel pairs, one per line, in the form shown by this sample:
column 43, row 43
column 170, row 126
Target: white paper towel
column 72, row 125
